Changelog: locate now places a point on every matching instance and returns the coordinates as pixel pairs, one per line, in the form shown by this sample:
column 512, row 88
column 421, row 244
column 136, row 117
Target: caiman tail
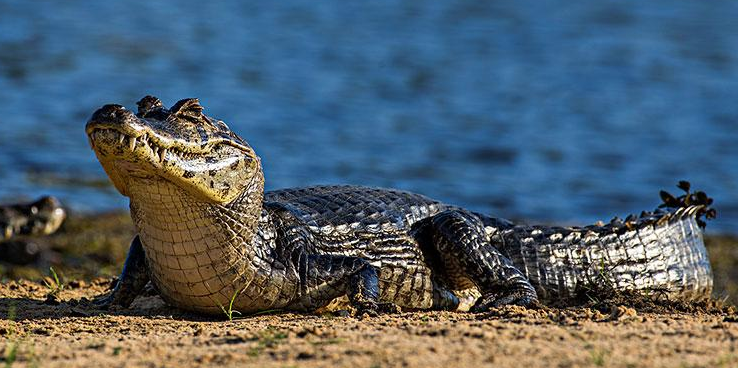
column 657, row 253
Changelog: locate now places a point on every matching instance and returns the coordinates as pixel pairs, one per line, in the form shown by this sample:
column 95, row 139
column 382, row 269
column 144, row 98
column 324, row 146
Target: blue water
column 540, row 110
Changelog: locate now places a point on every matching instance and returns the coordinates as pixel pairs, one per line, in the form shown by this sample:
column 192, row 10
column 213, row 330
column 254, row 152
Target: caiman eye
column 187, row 108
column 148, row 104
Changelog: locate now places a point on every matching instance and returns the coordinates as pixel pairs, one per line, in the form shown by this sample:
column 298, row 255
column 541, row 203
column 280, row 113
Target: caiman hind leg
column 327, row 277
column 132, row 280
column 467, row 256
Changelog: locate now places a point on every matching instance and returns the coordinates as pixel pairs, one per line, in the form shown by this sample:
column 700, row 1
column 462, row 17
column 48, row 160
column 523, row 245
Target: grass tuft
column 229, row 312
column 55, row 286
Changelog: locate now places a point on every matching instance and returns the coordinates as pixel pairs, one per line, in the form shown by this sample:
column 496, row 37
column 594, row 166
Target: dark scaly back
column 656, row 252
column 364, row 207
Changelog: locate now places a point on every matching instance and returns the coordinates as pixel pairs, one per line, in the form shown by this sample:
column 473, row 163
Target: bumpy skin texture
column 207, row 233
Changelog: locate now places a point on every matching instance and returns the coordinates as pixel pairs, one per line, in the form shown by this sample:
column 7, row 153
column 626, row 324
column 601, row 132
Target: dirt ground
column 37, row 332
column 42, row 325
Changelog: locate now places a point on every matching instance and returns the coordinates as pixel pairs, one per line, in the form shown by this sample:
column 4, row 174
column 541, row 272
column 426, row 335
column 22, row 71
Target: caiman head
column 181, row 145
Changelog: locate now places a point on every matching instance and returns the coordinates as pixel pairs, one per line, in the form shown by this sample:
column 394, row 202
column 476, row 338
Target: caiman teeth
column 159, row 151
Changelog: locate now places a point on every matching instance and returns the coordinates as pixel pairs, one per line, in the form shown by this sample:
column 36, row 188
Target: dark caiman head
column 195, row 152
column 42, row 217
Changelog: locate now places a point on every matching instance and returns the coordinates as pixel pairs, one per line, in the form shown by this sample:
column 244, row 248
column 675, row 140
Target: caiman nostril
column 110, row 112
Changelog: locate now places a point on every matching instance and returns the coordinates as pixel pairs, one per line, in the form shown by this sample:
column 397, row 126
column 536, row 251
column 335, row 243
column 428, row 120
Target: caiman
column 20, row 223
column 40, row 217
column 209, row 235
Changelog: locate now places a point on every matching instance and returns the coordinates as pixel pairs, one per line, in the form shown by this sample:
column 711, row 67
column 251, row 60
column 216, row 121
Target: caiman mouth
column 156, row 146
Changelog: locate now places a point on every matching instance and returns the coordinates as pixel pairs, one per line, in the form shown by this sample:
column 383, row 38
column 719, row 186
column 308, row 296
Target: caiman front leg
column 323, row 278
column 132, row 280
column 467, row 256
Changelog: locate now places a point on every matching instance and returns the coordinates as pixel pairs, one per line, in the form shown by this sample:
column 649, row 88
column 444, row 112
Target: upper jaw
column 115, row 127
column 112, row 141
column 115, row 123
column 115, row 117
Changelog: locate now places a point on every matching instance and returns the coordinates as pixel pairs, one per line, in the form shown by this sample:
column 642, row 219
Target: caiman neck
column 198, row 253
column 165, row 214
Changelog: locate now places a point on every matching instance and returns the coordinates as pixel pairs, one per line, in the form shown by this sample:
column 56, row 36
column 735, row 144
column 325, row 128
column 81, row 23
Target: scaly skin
column 207, row 233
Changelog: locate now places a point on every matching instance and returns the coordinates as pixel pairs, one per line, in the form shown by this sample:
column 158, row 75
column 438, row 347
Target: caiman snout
column 114, row 117
column 110, row 113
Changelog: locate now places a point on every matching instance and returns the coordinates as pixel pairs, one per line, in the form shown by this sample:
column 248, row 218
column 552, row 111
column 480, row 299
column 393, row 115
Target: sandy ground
column 66, row 331
column 70, row 333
